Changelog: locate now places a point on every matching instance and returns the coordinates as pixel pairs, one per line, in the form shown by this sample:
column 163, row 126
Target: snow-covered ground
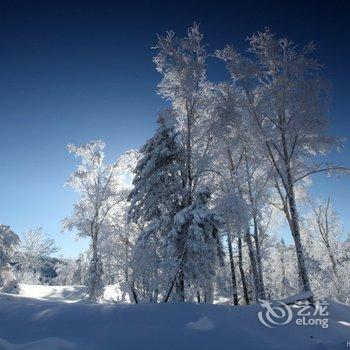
column 42, row 319
column 68, row 294
column 63, row 293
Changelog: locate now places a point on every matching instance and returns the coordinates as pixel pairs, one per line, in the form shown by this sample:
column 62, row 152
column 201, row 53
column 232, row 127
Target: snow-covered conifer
column 156, row 197
column 194, row 245
column 158, row 188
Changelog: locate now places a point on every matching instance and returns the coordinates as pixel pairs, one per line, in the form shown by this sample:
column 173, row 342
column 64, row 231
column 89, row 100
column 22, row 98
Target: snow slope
column 70, row 294
column 38, row 324
column 63, row 293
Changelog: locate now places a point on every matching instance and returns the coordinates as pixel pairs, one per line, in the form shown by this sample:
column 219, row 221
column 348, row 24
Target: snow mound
column 203, row 324
column 63, row 293
column 116, row 293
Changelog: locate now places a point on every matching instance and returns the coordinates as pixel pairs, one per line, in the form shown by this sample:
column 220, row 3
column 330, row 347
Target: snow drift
column 28, row 323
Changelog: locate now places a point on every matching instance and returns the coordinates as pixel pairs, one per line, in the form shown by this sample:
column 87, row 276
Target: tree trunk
column 294, row 218
column 241, row 270
column 179, row 281
column 334, row 269
column 209, row 294
column 95, row 281
column 303, row 276
column 259, row 292
column 304, row 279
column 189, row 177
column 258, row 258
column 133, row 292
column 284, row 277
column 233, row 273
column 198, row 296
column 180, row 285
column 253, row 264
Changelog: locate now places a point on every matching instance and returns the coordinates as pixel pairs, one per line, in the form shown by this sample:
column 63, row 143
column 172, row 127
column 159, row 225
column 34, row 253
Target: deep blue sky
column 75, row 71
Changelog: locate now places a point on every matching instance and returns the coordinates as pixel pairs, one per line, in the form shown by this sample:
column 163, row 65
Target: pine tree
column 157, row 191
column 195, row 245
column 156, row 197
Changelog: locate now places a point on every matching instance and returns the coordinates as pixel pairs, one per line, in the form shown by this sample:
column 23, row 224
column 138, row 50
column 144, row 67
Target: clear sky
column 75, row 71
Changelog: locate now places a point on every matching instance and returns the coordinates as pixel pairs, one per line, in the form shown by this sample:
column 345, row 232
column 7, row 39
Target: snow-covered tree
column 322, row 235
column 98, row 186
column 285, row 96
column 8, row 242
column 65, row 270
column 181, row 62
column 117, row 246
column 35, row 247
column 281, row 271
column 158, row 186
column 237, row 172
column 158, row 194
column 195, row 245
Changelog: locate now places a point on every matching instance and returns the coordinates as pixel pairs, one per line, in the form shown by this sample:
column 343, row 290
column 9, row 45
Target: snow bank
column 28, row 324
column 69, row 294
column 203, row 324
column 63, row 293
